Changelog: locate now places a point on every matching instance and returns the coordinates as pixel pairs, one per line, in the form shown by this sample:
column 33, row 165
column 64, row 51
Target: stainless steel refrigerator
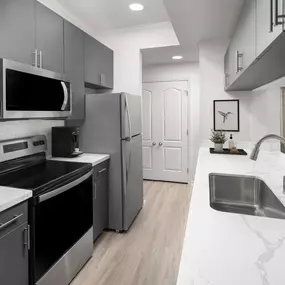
column 113, row 125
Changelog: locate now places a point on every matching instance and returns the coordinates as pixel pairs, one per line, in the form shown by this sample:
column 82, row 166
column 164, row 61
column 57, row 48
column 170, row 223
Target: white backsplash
column 19, row 129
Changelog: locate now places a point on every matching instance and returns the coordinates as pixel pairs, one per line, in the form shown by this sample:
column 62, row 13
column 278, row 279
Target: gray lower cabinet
column 98, row 64
column 14, row 242
column 17, row 30
column 100, row 199
column 74, row 67
column 49, row 38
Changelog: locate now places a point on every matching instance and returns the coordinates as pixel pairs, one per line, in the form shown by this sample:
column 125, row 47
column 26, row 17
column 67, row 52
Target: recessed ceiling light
column 136, row 7
column 177, row 57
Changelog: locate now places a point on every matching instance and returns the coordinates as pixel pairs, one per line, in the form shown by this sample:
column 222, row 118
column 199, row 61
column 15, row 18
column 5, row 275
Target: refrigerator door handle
column 129, row 116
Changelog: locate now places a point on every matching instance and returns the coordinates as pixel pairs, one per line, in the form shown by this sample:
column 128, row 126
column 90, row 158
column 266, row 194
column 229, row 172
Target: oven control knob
column 35, row 143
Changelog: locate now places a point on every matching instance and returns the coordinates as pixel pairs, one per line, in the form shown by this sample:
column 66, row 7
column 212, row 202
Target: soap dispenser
column 231, row 142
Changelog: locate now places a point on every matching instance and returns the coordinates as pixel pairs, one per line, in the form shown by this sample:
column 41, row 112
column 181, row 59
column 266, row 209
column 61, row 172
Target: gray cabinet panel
column 98, row 63
column 266, row 30
column 49, row 38
column 100, row 200
column 74, row 67
column 17, row 30
column 14, row 257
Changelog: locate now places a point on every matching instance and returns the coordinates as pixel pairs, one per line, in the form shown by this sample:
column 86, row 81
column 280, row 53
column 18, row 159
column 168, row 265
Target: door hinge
column 187, row 132
column 187, row 170
column 186, row 92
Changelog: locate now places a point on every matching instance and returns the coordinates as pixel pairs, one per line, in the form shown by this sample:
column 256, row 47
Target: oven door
column 30, row 92
column 61, row 219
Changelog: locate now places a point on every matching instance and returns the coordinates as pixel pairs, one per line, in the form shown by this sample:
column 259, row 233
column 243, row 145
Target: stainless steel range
column 60, row 211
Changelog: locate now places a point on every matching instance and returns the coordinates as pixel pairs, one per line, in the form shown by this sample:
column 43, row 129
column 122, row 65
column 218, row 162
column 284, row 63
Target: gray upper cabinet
column 267, row 28
column 98, row 64
column 241, row 52
column 256, row 53
column 74, row 67
column 17, row 30
column 49, row 38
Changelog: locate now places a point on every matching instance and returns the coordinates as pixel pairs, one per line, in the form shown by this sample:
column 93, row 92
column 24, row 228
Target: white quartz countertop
column 232, row 249
column 10, row 197
column 86, row 158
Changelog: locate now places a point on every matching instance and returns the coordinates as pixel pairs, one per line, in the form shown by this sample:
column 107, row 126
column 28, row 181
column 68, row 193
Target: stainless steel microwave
column 31, row 92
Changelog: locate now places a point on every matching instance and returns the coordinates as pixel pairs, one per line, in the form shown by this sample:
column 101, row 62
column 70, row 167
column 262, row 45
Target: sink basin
column 244, row 195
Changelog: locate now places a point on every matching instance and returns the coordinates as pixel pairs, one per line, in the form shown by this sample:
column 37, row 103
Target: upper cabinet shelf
column 256, row 53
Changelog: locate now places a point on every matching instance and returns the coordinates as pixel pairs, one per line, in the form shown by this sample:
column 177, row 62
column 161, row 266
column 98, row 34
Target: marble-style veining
column 10, row 197
column 232, row 249
column 86, row 158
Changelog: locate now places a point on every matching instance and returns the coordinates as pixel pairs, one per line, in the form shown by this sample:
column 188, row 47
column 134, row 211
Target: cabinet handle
column 154, row 143
column 277, row 16
column 271, row 17
column 27, row 241
column 95, row 192
column 102, row 79
column 15, row 218
column 160, row 144
column 41, row 59
column 226, row 79
column 35, row 53
column 239, row 55
column 102, row 170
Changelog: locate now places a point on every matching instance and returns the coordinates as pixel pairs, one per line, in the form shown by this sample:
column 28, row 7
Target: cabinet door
column 266, row 30
column 14, row 257
column 74, row 67
column 246, row 35
column 49, row 38
column 17, row 30
column 101, row 209
column 98, row 63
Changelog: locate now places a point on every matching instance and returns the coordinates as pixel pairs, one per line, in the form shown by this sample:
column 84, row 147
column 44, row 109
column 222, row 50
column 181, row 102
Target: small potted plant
column 218, row 138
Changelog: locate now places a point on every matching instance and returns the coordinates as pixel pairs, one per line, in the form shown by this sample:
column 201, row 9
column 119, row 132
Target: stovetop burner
column 32, row 171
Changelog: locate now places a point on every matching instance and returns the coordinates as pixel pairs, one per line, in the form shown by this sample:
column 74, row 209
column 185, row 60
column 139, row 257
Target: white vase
column 219, row 147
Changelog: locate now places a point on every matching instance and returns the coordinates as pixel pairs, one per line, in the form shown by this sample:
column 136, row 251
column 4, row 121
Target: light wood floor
column 149, row 254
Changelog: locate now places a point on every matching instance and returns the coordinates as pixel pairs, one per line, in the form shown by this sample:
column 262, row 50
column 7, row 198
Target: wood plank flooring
column 149, row 254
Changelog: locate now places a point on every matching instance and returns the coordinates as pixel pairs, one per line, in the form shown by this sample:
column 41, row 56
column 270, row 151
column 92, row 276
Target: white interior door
column 165, row 135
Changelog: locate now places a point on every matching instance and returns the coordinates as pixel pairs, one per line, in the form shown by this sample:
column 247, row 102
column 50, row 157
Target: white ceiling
column 164, row 55
column 193, row 21
column 115, row 14
column 197, row 20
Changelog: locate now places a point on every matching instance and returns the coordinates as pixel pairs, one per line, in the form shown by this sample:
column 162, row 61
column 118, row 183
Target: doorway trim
column 189, row 121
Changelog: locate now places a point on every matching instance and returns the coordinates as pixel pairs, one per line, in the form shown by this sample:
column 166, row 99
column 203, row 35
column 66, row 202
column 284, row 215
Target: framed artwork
column 226, row 115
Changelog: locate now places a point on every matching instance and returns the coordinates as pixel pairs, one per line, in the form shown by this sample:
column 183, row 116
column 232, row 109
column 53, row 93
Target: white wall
column 212, row 88
column 127, row 45
column 259, row 109
column 189, row 72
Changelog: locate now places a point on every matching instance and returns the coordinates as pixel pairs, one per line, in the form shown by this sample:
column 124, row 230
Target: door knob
column 154, row 144
column 160, row 144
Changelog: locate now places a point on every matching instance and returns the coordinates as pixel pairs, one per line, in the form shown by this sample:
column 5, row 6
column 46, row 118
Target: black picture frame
column 235, row 101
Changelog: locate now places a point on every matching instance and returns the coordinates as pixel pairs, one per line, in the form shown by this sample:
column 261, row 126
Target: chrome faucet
column 255, row 151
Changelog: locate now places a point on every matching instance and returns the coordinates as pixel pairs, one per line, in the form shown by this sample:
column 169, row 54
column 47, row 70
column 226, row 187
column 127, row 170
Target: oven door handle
column 64, row 188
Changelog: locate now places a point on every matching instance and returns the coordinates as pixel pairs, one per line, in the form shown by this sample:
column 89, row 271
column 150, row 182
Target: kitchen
column 85, row 68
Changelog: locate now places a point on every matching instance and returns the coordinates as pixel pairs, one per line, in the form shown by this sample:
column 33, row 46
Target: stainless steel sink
column 244, row 195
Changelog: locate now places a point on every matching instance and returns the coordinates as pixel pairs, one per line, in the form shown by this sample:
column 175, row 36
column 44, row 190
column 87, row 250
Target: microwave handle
column 65, row 92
